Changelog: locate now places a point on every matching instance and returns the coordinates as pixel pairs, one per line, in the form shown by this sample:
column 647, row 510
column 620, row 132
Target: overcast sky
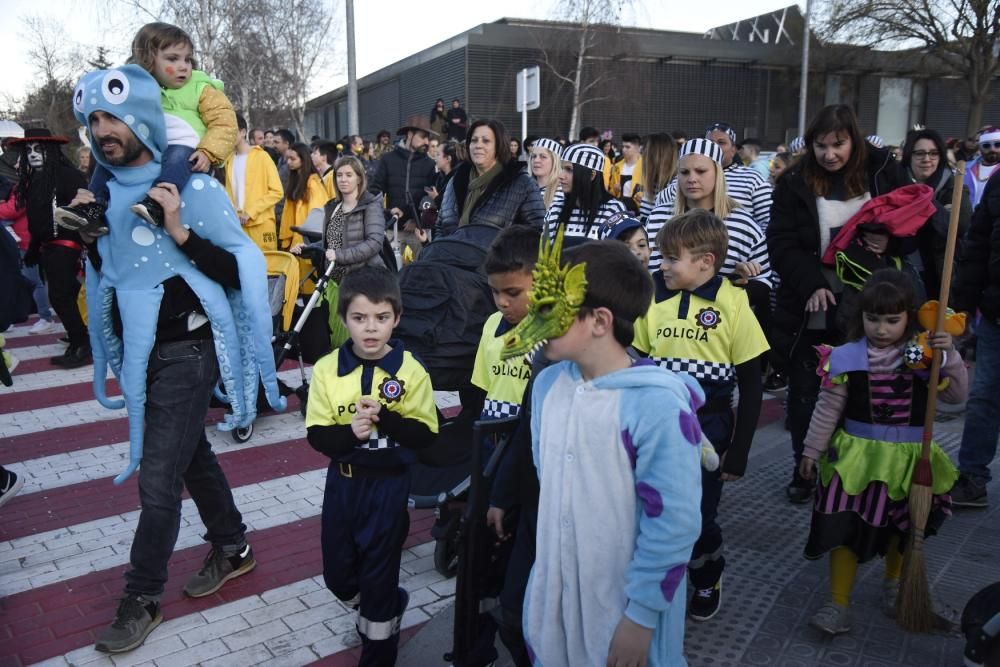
column 385, row 33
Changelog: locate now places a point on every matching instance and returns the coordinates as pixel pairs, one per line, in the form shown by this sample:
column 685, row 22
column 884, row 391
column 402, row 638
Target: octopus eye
column 115, row 87
column 78, row 98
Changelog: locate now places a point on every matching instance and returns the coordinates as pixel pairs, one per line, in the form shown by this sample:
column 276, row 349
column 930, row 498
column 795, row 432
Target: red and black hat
column 40, row 135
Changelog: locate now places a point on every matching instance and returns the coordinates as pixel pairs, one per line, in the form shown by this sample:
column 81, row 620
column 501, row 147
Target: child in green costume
column 864, row 439
column 201, row 124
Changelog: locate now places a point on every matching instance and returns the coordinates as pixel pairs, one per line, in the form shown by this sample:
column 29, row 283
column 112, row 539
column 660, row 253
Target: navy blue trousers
column 707, row 560
column 364, row 525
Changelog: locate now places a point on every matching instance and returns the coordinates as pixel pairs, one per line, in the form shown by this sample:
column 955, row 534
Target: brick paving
column 64, row 546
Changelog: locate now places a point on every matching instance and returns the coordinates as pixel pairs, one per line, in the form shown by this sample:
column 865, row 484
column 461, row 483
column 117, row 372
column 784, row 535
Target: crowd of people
column 663, row 288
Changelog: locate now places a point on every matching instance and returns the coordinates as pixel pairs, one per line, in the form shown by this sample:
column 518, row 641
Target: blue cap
column 618, row 224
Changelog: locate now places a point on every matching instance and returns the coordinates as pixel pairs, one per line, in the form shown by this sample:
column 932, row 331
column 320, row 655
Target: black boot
column 75, row 357
column 149, row 210
column 86, row 218
column 800, row 489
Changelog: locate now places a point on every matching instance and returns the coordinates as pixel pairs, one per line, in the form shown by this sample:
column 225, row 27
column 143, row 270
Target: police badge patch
column 391, row 389
column 708, row 318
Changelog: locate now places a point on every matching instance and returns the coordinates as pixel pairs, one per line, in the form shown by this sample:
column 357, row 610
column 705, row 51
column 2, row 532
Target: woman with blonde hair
column 544, row 161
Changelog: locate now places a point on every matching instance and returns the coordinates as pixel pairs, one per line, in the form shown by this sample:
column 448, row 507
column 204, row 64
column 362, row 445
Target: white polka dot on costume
column 186, row 226
column 129, row 118
column 213, row 183
column 183, row 204
column 136, row 266
column 166, row 264
column 225, row 212
column 201, row 224
column 197, row 183
column 143, row 130
column 93, row 100
column 144, row 258
column 142, row 236
column 159, row 236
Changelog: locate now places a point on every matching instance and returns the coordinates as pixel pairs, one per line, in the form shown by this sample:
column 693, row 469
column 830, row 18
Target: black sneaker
column 969, row 492
column 149, row 210
column 775, row 382
column 10, row 484
column 87, row 218
column 74, row 357
column 799, row 490
column 217, row 569
column 135, row 619
column 706, row 602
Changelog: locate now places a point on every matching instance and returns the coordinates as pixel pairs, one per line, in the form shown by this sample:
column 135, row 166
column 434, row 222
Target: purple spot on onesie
column 690, row 428
column 695, row 400
column 629, row 446
column 652, row 501
column 672, row 581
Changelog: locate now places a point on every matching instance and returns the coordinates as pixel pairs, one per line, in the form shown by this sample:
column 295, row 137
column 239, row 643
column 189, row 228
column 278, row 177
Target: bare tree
column 305, row 47
column 962, row 36
column 592, row 18
column 49, row 99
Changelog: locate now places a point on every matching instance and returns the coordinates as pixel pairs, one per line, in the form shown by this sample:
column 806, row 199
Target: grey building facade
column 746, row 74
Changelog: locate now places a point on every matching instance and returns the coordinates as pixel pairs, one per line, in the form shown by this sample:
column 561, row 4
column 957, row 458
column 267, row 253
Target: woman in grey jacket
column 354, row 227
column 492, row 187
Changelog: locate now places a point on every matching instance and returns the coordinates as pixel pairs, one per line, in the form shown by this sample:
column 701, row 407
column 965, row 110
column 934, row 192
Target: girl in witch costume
column 864, row 438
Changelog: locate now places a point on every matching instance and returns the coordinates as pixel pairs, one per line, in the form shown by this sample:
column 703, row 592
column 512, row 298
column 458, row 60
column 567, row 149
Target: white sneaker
column 43, row 327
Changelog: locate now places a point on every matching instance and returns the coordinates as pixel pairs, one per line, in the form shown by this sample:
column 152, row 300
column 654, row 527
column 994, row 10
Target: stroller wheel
column 446, row 557
column 242, row 434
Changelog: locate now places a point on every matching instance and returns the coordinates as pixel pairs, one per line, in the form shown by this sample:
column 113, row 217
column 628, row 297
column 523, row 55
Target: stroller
column 446, row 301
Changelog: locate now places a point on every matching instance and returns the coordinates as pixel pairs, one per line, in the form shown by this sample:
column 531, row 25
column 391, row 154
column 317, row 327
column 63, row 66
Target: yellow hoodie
column 263, row 191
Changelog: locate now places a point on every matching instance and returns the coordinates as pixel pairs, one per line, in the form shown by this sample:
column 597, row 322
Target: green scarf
column 477, row 186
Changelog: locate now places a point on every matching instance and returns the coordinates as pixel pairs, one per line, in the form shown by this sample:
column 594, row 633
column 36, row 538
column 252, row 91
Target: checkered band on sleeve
column 709, row 371
column 381, row 442
column 549, row 144
column 704, row 147
column 584, row 155
column 499, row 409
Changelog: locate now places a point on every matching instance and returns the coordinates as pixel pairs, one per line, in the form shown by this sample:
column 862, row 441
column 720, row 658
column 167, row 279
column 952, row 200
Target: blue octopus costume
column 137, row 258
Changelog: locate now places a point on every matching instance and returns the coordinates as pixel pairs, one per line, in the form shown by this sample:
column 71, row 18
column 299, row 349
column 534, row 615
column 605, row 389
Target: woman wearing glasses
column 925, row 160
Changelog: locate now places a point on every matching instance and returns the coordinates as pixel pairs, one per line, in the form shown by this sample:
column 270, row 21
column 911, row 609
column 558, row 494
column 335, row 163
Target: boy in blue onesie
column 701, row 324
column 371, row 405
column 617, row 448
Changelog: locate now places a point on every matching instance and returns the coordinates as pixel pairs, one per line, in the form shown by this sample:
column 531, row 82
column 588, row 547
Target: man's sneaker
column 43, row 327
column 135, row 619
column 799, row 490
column 74, row 357
column 10, row 484
column 832, row 619
column 149, row 210
column 969, row 492
column 217, row 569
column 88, row 218
column 775, row 382
column 706, row 601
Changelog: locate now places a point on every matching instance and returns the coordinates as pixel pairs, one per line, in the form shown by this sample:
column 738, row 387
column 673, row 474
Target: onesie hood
column 645, row 374
column 130, row 94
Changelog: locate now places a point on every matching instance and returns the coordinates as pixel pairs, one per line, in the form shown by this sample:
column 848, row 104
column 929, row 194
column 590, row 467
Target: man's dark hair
column 329, row 150
column 751, row 142
column 588, row 133
column 679, row 137
column 376, row 284
column 514, row 249
column 241, row 122
column 632, row 139
column 382, row 133
column 499, row 134
column 616, row 280
column 529, row 141
column 287, row 135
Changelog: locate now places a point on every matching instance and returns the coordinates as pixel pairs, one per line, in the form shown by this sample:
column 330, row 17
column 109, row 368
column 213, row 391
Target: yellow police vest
column 504, row 382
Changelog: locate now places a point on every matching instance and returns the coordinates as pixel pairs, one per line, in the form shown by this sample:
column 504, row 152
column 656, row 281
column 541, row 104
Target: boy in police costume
column 701, row 324
column 371, row 405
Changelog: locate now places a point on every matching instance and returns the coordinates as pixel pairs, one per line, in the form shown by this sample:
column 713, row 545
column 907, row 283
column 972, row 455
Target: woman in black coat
column 812, row 200
column 492, row 187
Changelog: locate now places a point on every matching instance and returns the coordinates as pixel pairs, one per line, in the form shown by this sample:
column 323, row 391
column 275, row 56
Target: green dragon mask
column 555, row 300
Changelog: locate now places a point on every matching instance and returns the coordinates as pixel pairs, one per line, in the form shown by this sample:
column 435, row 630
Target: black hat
column 41, row 135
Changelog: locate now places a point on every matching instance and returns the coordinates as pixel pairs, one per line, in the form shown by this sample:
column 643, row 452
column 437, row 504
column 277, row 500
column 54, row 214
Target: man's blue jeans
column 982, row 415
column 177, row 454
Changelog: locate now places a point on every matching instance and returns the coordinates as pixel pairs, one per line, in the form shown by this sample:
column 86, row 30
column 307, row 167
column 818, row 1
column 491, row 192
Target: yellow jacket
column 327, row 179
column 263, row 191
column 294, row 215
column 616, row 177
column 217, row 113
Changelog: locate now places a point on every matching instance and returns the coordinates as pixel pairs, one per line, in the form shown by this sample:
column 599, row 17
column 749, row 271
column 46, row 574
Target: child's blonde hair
column 698, row 231
column 152, row 38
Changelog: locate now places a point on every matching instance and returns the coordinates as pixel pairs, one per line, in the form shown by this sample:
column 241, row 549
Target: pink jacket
column 9, row 211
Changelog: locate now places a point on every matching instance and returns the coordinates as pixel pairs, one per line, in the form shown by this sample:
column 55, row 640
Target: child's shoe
column 832, row 619
column 706, row 602
column 149, row 210
column 10, row 484
column 87, row 218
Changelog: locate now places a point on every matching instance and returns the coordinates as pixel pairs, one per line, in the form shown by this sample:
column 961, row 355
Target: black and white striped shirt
column 746, row 242
column 645, row 208
column 577, row 223
column 750, row 190
column 557, row 199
